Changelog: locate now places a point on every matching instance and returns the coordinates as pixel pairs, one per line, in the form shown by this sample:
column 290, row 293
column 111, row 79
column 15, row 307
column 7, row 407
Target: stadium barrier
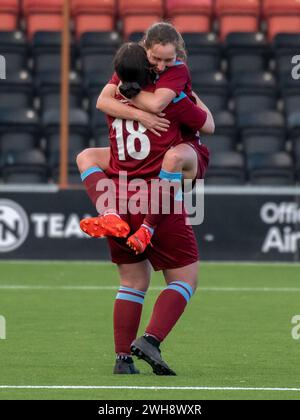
column 240, row 224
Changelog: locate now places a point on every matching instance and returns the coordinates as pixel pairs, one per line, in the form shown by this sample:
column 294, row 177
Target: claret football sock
column 168, row 308
column 91, row 179
column 127, row 315
column 165, row 197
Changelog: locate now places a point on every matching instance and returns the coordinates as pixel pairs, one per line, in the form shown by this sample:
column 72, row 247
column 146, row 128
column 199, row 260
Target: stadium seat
column 254, row 92
column 225, row 125
column 24, row 167
column 46, row 52
column 9, row 11
column 97, row 65
column 293, row 124
column 263, row 145
column 237, row 16
column 204, row 52
column 138, row 16
column 48, row 90
column 16, row 91
column 54, row 166
column 226, row 168
column 290, row 91
column 99, row 42
column 246, row 52
column 99, row 125
column 23, row 121
column 13, row 47
column 43, row 15
column 136, row 36
column 271, row 169
column 285, row 47
column 296, row 153
column 264, row 124
column 19, row 130
column 78, row 128
column 281, row 16
column 218, row 143
column 93, row 15
column 190, row 15
column 18, row 141
column 213, row 89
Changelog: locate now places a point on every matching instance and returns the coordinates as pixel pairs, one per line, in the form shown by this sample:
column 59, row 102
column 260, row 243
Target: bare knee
column 85, row 159
column 173, row 160
column 135, row 276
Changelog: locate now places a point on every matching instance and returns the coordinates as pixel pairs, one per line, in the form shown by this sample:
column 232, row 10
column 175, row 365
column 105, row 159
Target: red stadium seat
column 190, row 15
column 9, row 10
column 237, row 16
column 43, row 15
column 138, row 16
column 282, row 16
column 93, row 15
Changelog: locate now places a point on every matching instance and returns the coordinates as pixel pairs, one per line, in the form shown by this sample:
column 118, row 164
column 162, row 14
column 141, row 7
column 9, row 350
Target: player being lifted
column 174, row 251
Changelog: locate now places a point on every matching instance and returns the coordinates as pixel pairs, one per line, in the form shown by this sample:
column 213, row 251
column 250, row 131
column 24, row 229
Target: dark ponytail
column 133, row 69
column 130, row 89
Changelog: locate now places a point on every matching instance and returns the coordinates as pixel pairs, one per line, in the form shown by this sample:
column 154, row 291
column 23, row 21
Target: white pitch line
column 179, row 388
column 154, row 288
column 277, row 264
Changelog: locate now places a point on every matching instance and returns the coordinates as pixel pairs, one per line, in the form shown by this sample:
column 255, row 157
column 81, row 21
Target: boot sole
column 158, row 368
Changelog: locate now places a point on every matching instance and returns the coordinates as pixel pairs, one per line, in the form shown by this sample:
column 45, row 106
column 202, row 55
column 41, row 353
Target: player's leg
column 134, row 282
column 180, row 162
column 92, row 164
column 168, row 308
column 171, row 303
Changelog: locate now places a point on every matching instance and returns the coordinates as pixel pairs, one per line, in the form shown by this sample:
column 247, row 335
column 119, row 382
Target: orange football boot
column 139, row 240
column 108, row 225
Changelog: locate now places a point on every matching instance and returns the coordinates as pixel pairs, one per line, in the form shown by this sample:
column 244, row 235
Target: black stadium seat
column 79, row 133
column 290, row 91
column 46, row 52
column 13, row 47
column 254, row 92
column 271, row 169
column 136, row 36
column 293, row 124
column 54, row 163
column 24, row 167
column 16, row 91
column 99, row 42
column 264, row 124
column 99, row 125
column 48, row 90
column 212, row 87
column 97, row 65
column 246, row 52
column 263, row 145
column 204, row 53
column 225, row 124
column 285, row 46
column 226, row 168
column 20, row 122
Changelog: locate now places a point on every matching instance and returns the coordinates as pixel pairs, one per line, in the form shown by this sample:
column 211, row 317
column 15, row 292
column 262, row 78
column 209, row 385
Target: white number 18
column 132, row 137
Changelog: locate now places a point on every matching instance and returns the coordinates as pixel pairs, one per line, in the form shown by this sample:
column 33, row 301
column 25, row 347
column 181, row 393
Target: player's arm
column 154, row 102
column 193, row 116
column 209, row 126
column 169, row 85
column 111, row 106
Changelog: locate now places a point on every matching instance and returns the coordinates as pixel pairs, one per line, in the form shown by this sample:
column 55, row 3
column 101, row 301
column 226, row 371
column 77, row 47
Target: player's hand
column 154, row 123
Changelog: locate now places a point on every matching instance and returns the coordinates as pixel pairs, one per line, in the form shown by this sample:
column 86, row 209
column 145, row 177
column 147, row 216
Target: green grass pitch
column 236, row 333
